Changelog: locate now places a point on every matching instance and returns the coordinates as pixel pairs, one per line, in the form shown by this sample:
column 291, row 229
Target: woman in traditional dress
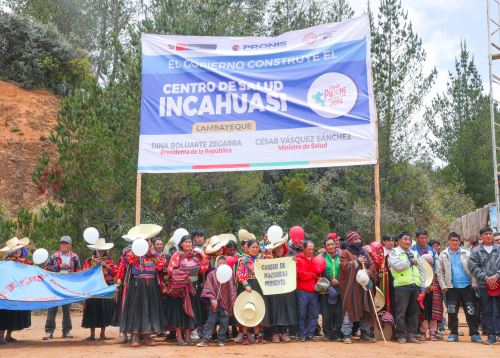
column 183, row 309
column 14, row 320
column 98, row 312
column 283, row 310
column 245, row 276
column 122, row 269
column 142, row 309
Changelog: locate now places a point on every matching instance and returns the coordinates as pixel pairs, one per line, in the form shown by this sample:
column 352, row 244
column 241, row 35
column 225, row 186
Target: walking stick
column 375, row 310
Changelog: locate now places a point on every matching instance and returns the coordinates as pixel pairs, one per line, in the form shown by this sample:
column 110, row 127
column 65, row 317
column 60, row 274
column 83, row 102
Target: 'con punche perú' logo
column 332, row 95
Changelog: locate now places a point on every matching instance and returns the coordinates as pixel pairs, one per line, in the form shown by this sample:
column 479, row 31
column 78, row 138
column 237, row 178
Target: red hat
column 332, row 235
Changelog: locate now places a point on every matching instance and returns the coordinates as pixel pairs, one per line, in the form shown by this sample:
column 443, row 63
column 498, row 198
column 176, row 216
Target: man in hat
column 63, row 260
column 484, row 264
column 356, row 304
column 409, row 288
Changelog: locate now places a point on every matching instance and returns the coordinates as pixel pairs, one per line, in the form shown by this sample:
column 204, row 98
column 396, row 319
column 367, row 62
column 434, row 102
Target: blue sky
column 442, row 24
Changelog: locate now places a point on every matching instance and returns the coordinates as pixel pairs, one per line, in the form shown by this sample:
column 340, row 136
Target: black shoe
column 367, row 338
column 67, row 335
column 491, row 340
column 302, row 339
column 310, row 338
column 48, row 336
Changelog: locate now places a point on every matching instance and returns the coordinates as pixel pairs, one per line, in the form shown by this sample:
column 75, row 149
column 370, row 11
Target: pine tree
column 459, row 123
column 399, row 81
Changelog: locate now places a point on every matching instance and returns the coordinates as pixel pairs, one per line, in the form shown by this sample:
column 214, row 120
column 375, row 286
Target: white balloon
column 140, row 247
column 40, row 256
column 91, row 235
column 274, row 233
column 179, row 234
column 223, row 273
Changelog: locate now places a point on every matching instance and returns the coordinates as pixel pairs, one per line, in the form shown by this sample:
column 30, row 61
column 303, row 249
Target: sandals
column 182, row 343
column 10, row 340
column 89, row 339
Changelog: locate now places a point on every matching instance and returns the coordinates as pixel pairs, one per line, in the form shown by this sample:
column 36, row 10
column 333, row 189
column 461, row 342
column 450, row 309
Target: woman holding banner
column 98, row 312
column 283, row 312
column 183, row 310
column 245, row 276
column 11, row 320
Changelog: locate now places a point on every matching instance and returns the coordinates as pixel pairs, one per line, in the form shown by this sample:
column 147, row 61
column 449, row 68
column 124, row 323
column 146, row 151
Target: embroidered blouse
column 149, row 264
column 19, row 259
column 109, row 269
column 192, row 262
column 245, row 270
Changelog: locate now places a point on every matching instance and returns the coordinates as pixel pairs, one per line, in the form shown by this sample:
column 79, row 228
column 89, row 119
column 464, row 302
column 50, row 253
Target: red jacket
column 306, row 277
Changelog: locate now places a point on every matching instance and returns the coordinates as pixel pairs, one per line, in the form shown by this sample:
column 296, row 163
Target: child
column 222, row 297
column 433, row 308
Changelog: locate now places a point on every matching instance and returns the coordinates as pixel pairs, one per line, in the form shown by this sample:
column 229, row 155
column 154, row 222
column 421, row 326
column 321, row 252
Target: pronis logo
column 332, row 95
column 264, row 45
column 187, row 47
column 310, row 38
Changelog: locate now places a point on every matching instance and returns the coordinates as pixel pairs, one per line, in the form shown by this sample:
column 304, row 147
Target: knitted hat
column 351, row 235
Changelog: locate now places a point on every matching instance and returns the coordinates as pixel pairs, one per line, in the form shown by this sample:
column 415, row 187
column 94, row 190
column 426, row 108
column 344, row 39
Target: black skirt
column 14, row 320
column 98, row 312
column 256, row 287
column 283, row 309
column 115, row 321
column 142, row 309
column 175, row 317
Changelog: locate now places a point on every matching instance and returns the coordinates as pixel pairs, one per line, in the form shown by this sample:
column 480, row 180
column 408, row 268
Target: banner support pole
column 376, row 175
column 138, row 198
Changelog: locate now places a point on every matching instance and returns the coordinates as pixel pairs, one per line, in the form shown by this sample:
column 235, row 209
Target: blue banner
column 26, row 287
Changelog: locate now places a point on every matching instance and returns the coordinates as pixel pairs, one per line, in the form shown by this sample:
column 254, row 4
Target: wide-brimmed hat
column 244, row 235
column 379, row 299
column 15, row 244
column 322, row 285
column 249, row 308
column 215, row 243
column 170, row 243
column 228, row 236
column 362, row 278
column 428, row 273
column 142, row 231
column 101, row 244
column 277, row 243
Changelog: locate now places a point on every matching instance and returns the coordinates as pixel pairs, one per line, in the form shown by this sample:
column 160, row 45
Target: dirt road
column 31, row 345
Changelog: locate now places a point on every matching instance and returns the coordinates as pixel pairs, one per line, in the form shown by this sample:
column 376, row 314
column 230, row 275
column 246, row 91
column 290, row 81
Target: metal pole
column 492, row 113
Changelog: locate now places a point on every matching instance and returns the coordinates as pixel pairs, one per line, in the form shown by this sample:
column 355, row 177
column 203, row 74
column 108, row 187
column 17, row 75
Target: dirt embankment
column 26, row 120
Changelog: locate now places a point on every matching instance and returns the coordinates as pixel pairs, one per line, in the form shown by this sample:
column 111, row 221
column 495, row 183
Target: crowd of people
column 172, row 292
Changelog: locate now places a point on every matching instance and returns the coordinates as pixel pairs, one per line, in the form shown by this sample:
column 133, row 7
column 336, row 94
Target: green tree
column 289, row 15
column 38, row 56
column 460, row 126
column 399, row 81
